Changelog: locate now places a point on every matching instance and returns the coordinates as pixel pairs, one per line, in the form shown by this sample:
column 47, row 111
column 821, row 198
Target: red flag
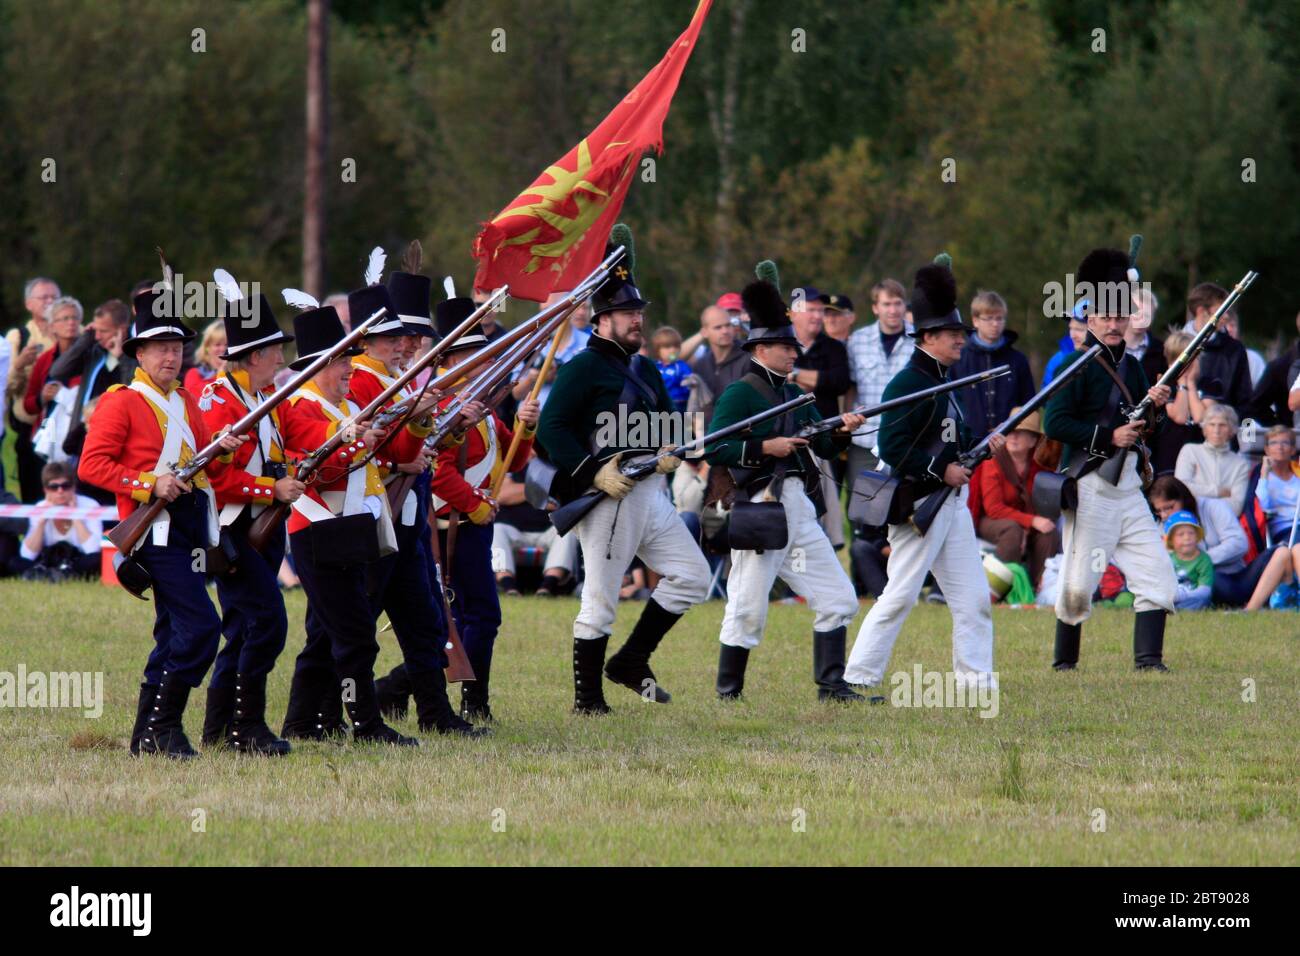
column 553, row 234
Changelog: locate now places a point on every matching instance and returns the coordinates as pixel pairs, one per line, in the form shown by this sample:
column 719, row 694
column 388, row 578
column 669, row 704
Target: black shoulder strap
column 784, row 424
column 635, row 384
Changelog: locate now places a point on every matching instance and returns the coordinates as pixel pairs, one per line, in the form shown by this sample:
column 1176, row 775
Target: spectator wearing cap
column 1224, row 540
column 722, row 363
column 877, row 353
column 58, row 548
column 694, row 347
column 988, row 404
column 1071, row 342
column 1211, row 469
column 823, row 363
column 839, row 319
column 1192, row 566
column 1000, row 499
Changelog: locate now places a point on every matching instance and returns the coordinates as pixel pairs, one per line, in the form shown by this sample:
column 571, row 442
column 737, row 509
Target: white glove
column 612, row 481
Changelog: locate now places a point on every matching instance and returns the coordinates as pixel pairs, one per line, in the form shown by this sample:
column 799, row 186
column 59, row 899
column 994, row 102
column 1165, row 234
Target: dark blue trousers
column 475, row 604
column 186, row 627
column 340, row 623
column 253, row 618
column 405, row 593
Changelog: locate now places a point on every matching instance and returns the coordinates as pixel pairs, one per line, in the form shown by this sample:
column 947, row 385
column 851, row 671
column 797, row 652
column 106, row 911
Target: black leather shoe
column 165, row 732
column 434, row 709
column 828, row 667
column 630, row 666
column 248, row 731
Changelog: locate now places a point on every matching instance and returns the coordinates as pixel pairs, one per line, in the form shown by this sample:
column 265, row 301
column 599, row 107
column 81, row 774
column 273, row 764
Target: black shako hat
column 409, row 292
column 318, row 330
column 153, row 320
column 1107, row 280
column 769, row 316
column 250, row 323
column 450, row 313
column 619, row 291
column 934, row 298
column 373, row 299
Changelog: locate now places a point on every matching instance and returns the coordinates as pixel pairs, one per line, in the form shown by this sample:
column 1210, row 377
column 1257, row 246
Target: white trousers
column 561, row 550
column 647, row 527
column 807, row 563
column 950, row 550
column 1113, row 523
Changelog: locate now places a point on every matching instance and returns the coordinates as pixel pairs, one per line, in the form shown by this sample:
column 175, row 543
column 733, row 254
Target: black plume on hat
column 1106, row 273
column 934, row 297
column 769, row 316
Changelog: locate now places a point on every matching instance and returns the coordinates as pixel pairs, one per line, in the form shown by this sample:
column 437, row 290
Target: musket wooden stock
column 127, row 532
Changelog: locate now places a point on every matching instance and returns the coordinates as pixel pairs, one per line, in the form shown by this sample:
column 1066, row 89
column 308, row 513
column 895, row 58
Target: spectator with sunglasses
column 57, row 548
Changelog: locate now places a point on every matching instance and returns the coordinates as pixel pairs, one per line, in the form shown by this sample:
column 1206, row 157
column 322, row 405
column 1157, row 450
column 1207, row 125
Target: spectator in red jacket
column 1004, row 516
column 64, row 315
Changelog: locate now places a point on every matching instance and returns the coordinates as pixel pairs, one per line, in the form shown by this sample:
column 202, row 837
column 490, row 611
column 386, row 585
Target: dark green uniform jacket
column 582, row 403
column 740, row 401
column 920, row 440
column 1073, row 415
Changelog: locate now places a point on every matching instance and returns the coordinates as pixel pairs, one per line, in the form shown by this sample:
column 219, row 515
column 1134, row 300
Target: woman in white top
column 69, row 546
column 1213, row 469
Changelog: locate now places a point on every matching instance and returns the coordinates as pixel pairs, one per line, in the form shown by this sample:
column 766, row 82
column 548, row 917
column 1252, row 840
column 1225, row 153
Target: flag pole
column 532, row 395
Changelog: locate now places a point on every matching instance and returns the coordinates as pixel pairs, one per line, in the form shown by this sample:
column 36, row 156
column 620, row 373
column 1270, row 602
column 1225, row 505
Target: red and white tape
column 99, row 512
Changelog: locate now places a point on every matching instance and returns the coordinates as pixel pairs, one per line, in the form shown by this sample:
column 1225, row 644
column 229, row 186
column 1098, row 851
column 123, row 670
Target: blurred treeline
column 828, row 160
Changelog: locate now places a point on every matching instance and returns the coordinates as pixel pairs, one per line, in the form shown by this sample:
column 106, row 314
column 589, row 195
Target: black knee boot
column 1066, row 654
column 631, row 665
column 143, row 708
column 165, row 731
column 248, row 731
column 731, row 671
column 367, row 724
column 1149, row 640
column 434, row 709
column 394, row 693
column 474, row 704
column 302, row 720
column 216, row 719
column 588, row 689
column 828, row 666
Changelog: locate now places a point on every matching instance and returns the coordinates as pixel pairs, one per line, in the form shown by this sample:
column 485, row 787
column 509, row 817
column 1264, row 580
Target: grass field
column 1184, row 770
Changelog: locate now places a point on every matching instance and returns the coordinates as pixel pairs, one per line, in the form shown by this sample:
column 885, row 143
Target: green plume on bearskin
column 943, row 261
column 766, row 272
column 621, row 235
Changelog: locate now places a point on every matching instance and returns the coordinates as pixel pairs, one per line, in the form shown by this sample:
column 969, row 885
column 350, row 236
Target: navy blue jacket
column 988, row 404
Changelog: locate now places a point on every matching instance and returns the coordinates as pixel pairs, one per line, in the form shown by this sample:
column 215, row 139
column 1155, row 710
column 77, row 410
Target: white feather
column 299, row 299
column 226, row 283
column 375, row 268
column 449, row 286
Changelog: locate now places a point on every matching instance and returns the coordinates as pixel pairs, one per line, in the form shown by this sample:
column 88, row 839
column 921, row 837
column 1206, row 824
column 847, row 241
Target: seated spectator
column 665, row 348
column 1192, row 566
column 1184, row 413
column 207, row 357
column 520, row 525
column 988, row 404
column 1223, row 538
column 58, row 548
column 1212, row 469
column 1002, row 511
column 1278, row 496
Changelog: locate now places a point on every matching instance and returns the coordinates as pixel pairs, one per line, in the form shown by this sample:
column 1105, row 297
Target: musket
column 127, row 533
column 925, row 515
column 566, row 516
column 548, row 318
column 264, row 525
column 1113, row 467
column 871, row 411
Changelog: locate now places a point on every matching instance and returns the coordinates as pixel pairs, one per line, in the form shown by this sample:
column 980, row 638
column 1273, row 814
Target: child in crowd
column 665, row 345
column 1183, row 534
